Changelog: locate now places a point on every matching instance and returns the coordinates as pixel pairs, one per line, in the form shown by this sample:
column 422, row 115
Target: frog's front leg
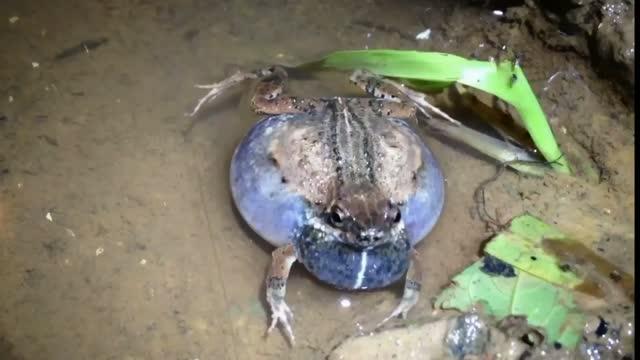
column 269, row 99
column 282, row 260
column 412, row 286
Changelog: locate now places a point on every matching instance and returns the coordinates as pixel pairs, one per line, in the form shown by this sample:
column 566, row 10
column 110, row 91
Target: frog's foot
column 282, row 260
column 280, row 313
column 411, row 294
column 409, row 300
column 220, row 87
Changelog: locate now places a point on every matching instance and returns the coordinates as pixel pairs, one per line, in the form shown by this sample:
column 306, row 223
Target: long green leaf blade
column 505, row 81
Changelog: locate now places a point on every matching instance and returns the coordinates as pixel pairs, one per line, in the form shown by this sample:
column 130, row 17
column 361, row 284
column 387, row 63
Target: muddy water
column 118, row 238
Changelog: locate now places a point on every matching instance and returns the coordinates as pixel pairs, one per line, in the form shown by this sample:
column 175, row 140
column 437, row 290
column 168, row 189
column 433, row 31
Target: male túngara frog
column 342, row 185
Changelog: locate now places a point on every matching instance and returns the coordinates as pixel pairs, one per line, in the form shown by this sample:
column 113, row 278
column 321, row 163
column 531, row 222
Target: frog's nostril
column 370, row 238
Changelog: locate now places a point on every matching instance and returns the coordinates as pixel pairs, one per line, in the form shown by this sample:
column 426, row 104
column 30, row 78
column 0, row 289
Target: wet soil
column 118, row 237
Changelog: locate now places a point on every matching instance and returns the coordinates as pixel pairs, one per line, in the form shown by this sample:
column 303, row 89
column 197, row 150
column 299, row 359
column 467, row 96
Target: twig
column 479, row 194
column 480, row 199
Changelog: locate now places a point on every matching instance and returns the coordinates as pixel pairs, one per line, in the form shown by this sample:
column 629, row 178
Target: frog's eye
column 336, row 216
column 394, row 213
column 398, row 217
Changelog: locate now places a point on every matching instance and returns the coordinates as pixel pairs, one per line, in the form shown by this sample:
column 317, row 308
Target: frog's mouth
column 348, row 265
column 366, row 239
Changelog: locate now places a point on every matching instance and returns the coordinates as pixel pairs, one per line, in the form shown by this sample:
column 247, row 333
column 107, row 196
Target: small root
column 493, row 223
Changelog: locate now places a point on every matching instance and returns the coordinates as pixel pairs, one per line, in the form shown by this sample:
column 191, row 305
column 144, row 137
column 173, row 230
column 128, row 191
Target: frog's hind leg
column 221, row 86
column 394, row 103
column 282, row 260
column 268, row 97
column 412, row 287
column 400, row 101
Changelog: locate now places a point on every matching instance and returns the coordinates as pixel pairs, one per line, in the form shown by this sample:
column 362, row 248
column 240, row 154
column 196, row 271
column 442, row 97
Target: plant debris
column 83, row 47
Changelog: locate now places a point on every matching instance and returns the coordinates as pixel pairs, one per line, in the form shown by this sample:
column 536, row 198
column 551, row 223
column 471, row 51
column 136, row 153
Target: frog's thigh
column 265, row 202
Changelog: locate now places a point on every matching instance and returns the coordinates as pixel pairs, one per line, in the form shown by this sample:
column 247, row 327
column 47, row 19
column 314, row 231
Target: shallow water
column 118, row 236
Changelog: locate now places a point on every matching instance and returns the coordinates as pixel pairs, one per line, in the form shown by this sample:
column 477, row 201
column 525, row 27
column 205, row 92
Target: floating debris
column 70, row 232
column 383, row 28
column 48, row 216
column 13, row 19
column 99, row 251
column 83, row 47
column 35, row 64
column 425, row 35
column 143, row 262
column 345, row 303
column 497, row 12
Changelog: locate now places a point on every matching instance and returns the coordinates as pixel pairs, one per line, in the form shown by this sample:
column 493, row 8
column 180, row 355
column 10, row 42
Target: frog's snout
column 371, row 236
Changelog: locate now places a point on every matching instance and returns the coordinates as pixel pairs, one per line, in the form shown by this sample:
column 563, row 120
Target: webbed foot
column 280, row 311
column 282, row 260
column 410, row 298
column 411, row 293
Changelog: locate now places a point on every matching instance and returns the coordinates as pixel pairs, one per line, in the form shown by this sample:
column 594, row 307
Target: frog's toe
column 281, row 313
column 409, row 300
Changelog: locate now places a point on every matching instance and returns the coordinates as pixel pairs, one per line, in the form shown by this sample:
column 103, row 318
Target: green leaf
column 544, row 305
column 535, row 247
column 522, row 279
column 436, row 70
column 521, row 246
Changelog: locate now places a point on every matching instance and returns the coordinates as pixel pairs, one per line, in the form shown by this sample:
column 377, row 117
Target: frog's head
column 363, row 216
column 356, row 241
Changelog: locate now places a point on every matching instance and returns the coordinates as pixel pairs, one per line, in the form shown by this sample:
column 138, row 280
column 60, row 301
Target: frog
column 342, row 185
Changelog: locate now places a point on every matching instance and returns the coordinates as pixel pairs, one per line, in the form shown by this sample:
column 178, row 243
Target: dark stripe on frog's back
column 307, row 151
column 330, row 126
column 362, row 117
column 350, row 142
